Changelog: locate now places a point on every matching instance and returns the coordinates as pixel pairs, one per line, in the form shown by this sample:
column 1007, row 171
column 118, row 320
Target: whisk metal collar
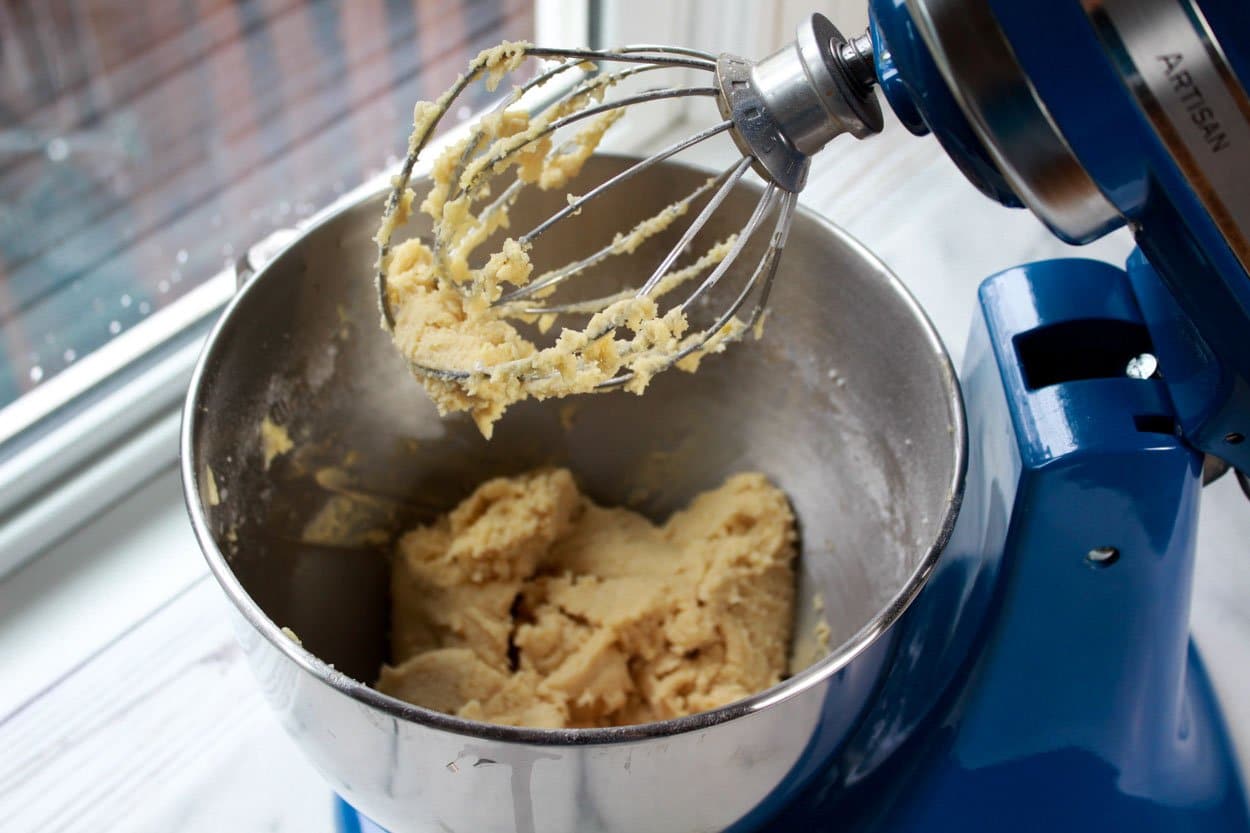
column 788, row 106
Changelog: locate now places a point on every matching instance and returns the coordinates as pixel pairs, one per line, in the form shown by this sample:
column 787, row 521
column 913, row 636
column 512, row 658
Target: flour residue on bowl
column 350, row 518
column 275, row 440
column 212, row 496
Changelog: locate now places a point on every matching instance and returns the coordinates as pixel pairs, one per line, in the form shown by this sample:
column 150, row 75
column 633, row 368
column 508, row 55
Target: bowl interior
column 847, row 403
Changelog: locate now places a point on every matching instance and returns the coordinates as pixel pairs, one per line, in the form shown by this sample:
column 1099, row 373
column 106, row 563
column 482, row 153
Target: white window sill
column 126, row 702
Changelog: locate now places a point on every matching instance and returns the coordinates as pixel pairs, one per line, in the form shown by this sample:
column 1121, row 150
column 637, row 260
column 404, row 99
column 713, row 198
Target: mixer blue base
column 1045, row 679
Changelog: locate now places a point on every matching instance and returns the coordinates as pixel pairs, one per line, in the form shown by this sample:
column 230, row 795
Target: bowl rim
column 816, row 673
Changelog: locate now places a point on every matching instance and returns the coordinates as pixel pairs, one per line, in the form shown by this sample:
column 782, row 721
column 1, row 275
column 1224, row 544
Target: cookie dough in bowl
column 530, row 605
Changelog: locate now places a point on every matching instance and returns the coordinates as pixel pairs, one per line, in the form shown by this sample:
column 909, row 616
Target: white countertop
column 126, row 705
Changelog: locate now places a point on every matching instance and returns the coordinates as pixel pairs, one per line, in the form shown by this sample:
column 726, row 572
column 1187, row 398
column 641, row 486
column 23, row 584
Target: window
column 143, row 145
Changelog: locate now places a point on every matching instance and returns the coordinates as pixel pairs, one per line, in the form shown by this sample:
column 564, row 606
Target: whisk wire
column 576, row 205
column 762, row 207
column 664, row 48
column 723, row 183
column 604, row 80
column 636, row 54
column 767, row 267
column 563, row 273
column 473, row 143
column 731, row 178
column 646, row 54
column 516, row 143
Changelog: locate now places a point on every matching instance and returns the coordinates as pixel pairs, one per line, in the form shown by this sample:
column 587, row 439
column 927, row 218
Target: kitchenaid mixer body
column 1084, row 705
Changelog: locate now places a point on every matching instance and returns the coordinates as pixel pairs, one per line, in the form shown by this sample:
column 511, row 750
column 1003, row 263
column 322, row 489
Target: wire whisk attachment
column 468, row 324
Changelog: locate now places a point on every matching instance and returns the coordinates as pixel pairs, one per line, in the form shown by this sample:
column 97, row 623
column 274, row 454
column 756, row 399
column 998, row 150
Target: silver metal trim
column 756, row 132
column 1136, row 33
column 787, row 106
column 261, row 252
column 1008, row 116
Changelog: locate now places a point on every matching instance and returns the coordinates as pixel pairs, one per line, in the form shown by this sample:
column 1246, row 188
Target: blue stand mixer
column 1044, row 678
column 1094, row 394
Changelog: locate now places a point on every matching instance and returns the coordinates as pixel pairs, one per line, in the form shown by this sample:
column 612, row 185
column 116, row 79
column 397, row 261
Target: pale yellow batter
column 529, row 605
column 274, row 440
column 442, row 306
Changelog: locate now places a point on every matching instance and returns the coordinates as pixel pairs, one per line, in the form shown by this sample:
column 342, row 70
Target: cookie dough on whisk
column 461, row 326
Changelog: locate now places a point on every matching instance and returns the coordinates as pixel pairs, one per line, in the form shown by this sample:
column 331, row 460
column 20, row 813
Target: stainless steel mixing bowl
column 849, row 403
